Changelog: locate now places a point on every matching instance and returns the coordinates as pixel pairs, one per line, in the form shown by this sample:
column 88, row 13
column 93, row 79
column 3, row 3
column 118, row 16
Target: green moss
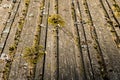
column 32, row 54
column 20, row 26
column 27, row 2
column 56, row 7
column 116, row 7
column 112, row 30
column 95, row 46
column 110, row 22
column 42, row 6
column 116, row 10
column 11, row 48
column 77, row 41
column 86, row 10
column 6, row 70
column 56, row 20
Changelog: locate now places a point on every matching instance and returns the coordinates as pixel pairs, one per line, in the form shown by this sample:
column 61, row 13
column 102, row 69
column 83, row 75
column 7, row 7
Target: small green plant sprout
column 116, row 10
column 56, row 20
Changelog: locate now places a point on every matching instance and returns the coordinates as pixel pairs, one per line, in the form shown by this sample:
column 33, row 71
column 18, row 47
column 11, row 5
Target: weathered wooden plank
column 85, row 48
column 88, row 46
column 50, row 72
column 115, row 19
column 104, row 40
column 85, row 41
column 9, row 41
column 6, row 21
column 27, row 38
column 5, row 8
column 69, row 66
column 111, row 2
column 42, row 63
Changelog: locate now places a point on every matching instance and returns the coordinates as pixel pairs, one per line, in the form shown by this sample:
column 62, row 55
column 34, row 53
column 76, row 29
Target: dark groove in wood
column 118, row 24
column 117, row 39
column 44, row 58
column 94, row 36
column 10, row 27
column 79, row 41
column 90, row 60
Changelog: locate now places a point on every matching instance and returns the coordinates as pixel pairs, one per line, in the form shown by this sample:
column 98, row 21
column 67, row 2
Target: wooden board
column 87, row 47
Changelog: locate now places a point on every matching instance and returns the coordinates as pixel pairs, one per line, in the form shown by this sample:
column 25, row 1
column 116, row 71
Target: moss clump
column 42, row 6
column 56, row 20
column 56, row 7
column 24, row 12
column 12, row 48
column 110, row 22
column 95, row 46
column 116, row 10
column 32, row 54
column 77, row 41
column 6, row 70
column 27, row 2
